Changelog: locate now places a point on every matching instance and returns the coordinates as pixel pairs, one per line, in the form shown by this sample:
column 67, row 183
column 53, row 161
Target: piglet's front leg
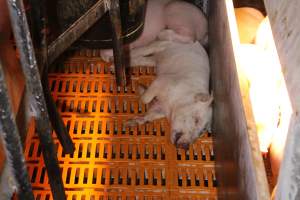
column 154, row 112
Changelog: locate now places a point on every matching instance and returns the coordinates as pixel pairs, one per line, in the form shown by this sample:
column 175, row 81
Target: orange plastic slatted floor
column 113, row 161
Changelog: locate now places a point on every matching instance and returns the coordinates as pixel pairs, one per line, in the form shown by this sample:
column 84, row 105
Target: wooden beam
column 284, row 19
column 240, row 168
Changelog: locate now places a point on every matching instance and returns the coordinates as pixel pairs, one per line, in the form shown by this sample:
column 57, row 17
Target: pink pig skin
column 154, row 23
column 183, row 18
column 186, row 20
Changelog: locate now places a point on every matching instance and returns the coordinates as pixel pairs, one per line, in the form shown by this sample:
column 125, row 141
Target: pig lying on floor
column 182, row 17
column 180, row 91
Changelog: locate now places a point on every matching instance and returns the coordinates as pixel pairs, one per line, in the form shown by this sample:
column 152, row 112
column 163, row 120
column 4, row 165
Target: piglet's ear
column 205, row 98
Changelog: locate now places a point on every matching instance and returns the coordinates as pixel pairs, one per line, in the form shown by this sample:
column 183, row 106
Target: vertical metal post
column 40, row 22
column 62, row 42
column 114, row 14
column 12, row 142
column 55, row 117
column 35, row 91
column 38, row 13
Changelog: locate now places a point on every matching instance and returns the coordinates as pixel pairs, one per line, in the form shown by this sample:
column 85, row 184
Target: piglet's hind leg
column 153, row 90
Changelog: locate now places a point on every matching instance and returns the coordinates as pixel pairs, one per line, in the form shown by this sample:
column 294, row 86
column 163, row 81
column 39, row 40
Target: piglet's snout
column 182, row 140
column 178, row 143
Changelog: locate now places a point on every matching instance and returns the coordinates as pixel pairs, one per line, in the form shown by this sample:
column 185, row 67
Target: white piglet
column 180, row 91
column 185, row 19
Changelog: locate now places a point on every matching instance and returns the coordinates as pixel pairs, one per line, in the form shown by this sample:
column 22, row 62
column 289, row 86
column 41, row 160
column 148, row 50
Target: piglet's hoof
column 111, row 68
column 107, row 55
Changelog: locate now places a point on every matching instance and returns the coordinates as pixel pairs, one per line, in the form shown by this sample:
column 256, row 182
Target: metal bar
column 35, row 91
column 57, row 47
column 38, row 11
column 40, row 22
column 115, row 19
column 12, row 142
column 55, row 118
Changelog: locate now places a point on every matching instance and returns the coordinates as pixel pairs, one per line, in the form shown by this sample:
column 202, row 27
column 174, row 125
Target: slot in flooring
column 112, row 161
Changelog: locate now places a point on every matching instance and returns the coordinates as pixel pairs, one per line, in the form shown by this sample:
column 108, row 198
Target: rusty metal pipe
column 40, row 26
column 12, row 142
column 115, row 19
column 64, row 41
column 35, row 91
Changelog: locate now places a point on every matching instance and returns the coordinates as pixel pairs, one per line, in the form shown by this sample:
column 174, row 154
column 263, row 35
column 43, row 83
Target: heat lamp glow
column 259, row 64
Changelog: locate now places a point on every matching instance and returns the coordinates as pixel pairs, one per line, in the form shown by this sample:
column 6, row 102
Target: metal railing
column 38, row 91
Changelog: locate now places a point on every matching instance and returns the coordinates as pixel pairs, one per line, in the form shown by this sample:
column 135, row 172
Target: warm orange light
column 263, row 77
column 259, row 64
column 265, row 40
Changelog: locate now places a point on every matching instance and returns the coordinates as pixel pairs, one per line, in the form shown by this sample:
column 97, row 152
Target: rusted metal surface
column 55, row 118
column 38, row 14
column 12, row 142
column 58, row 46
column 114, row 13
column 39, row 23
column 35, row 91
